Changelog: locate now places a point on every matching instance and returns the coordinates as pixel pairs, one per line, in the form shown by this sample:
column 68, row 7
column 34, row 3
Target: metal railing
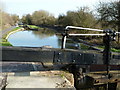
column 108, row 35
column 105, row 32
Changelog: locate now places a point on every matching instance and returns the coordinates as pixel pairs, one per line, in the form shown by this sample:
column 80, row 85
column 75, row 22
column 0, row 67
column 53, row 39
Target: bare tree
column 15, row 18
column 109, row 15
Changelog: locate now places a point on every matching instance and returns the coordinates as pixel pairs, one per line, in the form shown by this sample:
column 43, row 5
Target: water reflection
column 44, row 33
column 34, row 38
column 39, row 38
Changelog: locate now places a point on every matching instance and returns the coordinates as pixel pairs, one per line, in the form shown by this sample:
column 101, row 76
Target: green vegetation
column 112, row 49
column 27, row 19
column 33, row 26
column 115, row 50
column 39, row 18
column 82, row 17
column 4, row 41
column 84, row 47
column 15, row 29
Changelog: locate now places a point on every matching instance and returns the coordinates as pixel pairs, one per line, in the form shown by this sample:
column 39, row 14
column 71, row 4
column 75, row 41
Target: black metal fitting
column 110, row 36
column 113, row 36
column 108, row 31
column 65, row 34
column 107, row 48
column 111, row 33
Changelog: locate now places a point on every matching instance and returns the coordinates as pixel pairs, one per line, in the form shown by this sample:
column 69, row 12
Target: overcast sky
column 56, row 7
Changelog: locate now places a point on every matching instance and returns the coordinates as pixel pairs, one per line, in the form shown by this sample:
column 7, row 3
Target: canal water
column 43, row 37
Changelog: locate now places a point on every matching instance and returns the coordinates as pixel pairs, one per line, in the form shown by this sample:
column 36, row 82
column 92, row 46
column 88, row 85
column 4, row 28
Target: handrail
column 105, row 32
column 86, row 34
column 81, row 28
column 118, row 32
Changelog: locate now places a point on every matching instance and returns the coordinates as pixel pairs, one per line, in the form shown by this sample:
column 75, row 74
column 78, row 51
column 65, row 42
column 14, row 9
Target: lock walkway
column 23, row 75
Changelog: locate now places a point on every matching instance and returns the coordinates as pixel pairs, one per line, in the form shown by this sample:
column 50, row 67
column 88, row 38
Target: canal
column 43, row 37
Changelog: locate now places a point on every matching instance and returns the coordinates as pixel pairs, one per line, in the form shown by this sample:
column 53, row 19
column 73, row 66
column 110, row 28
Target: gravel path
column 7, row 30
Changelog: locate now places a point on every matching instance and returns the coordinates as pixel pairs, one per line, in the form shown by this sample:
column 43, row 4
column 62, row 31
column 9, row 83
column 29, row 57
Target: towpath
column 3, row 32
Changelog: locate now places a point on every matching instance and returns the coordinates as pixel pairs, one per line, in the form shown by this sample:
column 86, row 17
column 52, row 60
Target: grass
column 84, row 47
column 115, row 50
column 5, row 44
column 34, row 27
column 112, row 49
column 4, row 41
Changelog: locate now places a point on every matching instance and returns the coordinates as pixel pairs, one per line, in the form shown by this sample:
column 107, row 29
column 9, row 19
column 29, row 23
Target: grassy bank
column 115, row 50
column 4, row 41
column 34, row 27
column 112, row 49
column 84, row 47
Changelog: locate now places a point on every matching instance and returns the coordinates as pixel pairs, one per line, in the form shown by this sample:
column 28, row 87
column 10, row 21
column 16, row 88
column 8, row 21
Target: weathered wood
column 56, row 56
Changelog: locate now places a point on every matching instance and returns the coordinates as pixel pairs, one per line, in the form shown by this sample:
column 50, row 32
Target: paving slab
column 34, row 75
column 40, row 79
